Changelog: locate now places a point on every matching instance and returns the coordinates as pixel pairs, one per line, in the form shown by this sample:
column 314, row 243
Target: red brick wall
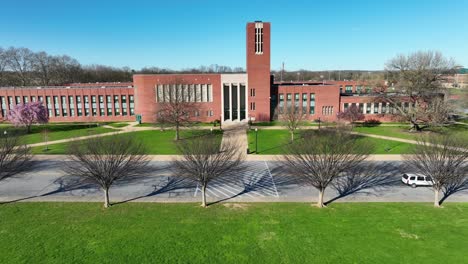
column 325, row 95
column 25, row 91
column 145, row 94
column 258, row 70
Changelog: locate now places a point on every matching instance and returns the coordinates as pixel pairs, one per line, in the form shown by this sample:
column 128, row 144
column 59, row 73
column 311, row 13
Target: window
column 252, row 106
column 252, row 92
column 376, row 108
column 197, row 113
column 361, row 108
column 341, row 88
column 210, row 93
column 132, row 104
column 296, row 102
column 41, row 99
column 281, row 103
column 304, row 103
column 159, row 93
column 288, row 100
column 25, row 99
column 209, row 113
column 368, row 108
column 258, row 38
column 358, row 89
column 312, row 104
column 368, row 89
column 345, row 106
column 412, row 178
column 349, row 89
column 33, row 98
column 17, row 99
column 198, row 93
column 204, row 93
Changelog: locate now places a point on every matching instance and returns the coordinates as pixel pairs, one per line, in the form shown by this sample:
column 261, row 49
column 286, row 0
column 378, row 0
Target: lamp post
column 5, row 132
column 211, row 130
column 256, row 140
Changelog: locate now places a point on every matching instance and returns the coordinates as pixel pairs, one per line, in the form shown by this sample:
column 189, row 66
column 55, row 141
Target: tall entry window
column 242, row 101
column 227, row 105
column 234, row 101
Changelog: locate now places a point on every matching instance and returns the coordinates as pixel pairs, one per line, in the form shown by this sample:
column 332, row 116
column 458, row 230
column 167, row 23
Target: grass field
column 118, row 125
column 233, row 233
column 271, row 142
column 157, row 142
column 56, row 131
column 403, row 131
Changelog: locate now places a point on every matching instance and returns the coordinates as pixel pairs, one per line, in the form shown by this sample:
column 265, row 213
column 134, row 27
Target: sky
column 176, row 34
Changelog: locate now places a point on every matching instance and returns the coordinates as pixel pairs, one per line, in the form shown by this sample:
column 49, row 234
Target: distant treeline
column 23, row 67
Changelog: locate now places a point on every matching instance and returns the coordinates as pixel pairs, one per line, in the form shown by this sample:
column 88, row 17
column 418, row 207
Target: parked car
column 415, row 180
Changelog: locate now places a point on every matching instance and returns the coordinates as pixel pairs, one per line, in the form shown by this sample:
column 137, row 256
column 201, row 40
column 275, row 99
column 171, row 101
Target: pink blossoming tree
column 28, row 114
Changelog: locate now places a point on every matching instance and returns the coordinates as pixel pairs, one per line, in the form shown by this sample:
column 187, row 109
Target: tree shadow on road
column 368, row 179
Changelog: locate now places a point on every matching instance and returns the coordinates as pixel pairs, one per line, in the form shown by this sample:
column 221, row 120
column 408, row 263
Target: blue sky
column 314, row 35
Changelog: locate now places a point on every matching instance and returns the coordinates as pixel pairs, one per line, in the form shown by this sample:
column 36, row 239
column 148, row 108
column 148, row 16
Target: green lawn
column 233, row 233
column 403, row 131
column 57, row 131
column 273, row 141
column 157, row 142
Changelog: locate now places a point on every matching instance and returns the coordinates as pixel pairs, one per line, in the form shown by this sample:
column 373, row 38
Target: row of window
column 378, row 108
column 184, row 92
column 327, row 110
column 73, row 105
column 307, row 99
column 195, row 113
column 359, row 89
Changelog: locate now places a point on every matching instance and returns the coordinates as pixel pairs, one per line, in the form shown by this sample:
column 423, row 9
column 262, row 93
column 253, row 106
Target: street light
column 211, row 130
column 5, row 132
column 256, row 140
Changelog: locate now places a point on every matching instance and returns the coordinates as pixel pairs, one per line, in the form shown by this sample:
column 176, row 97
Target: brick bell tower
column 258, row 70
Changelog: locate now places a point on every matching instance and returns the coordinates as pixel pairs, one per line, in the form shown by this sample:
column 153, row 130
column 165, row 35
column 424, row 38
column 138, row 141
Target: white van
column 416, row 180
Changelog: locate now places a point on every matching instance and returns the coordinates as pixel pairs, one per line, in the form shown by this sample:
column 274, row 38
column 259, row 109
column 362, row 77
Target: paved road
column 264, row 181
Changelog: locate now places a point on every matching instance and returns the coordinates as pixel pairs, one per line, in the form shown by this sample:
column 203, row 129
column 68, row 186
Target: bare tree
column 444, row 158
column 15, row 157
column 417, row 83
column 351, row 114
column 291, row 118
column 104, row 161
column 203, row 160
column 323, row 156
column 43, row 65
column 175, row 105
column 20, row 61
column 3, row 64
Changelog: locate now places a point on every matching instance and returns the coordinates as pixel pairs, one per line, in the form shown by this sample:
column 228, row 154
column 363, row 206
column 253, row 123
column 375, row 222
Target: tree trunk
column 177, row 132
column 436, row 198
column 415, row 127
column 106, row 198
column 28, row 128
column 320, row 203
column 292, row 136
column 203, row 191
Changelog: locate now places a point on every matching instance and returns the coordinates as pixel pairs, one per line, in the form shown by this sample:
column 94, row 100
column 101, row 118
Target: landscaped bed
column 233, row 233
column 156, row 142
column 272, row 142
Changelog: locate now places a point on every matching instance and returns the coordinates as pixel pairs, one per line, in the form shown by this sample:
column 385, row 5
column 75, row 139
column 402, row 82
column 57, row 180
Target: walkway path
column 236, row 134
